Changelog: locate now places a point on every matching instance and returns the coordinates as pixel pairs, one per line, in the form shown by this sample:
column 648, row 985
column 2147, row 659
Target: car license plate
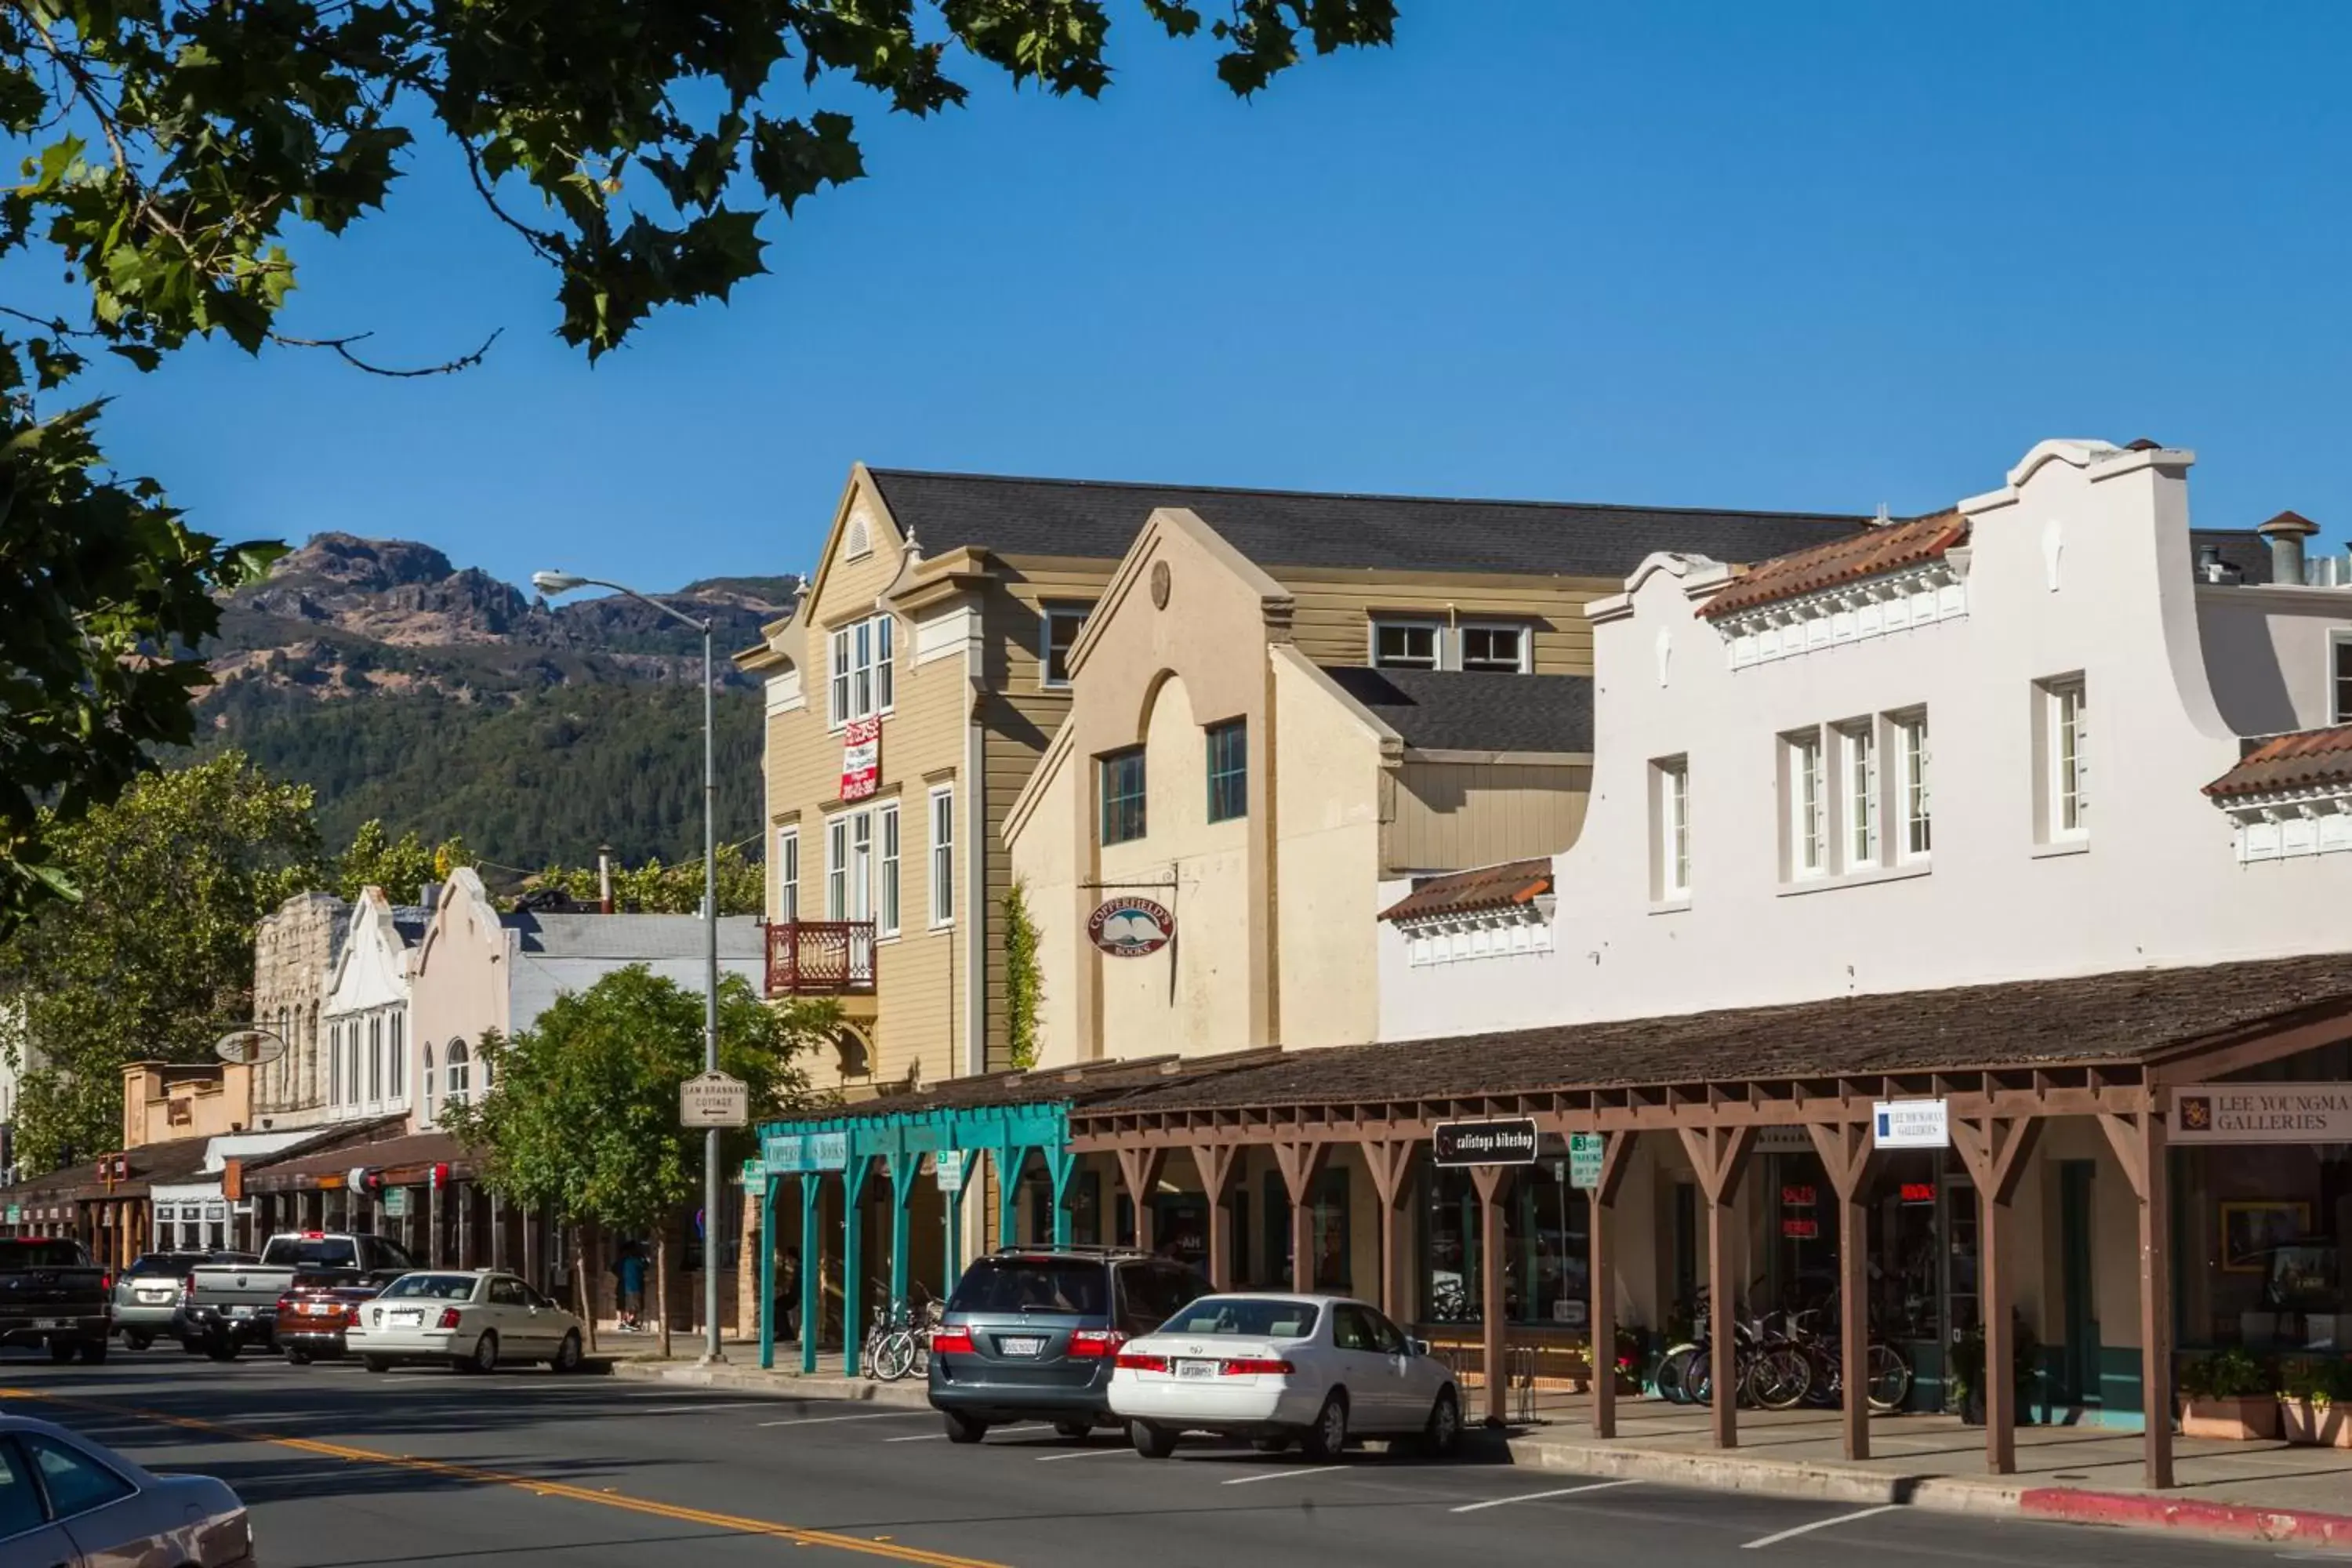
column 1196, row 1369
column 1021, row 1346
column 51, row 1323
column 409, row 1319
column 320, row 1309
column 240, row 1312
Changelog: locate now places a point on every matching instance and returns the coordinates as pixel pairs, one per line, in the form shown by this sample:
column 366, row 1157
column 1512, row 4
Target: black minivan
column 1032, row 1334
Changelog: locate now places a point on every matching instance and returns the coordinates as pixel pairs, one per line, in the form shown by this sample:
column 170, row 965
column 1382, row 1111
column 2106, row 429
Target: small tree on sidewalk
column 582, row 1120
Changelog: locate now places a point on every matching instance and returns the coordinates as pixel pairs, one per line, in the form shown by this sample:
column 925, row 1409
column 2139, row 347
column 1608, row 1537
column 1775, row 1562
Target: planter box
column 2237, row 1420
column 2322, row 1427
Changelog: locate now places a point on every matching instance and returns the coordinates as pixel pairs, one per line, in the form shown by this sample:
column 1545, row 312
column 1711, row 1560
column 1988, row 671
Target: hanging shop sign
column 1131, row 928
column 1511, row 1141
column 2263, row 1113
column 861, row 758
column 1911, row 1124
column 797, row 1153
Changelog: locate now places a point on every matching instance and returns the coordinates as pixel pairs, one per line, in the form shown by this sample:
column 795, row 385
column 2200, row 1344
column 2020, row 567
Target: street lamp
column 553, row 583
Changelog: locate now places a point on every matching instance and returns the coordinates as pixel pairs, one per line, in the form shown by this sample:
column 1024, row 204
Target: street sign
column 1584, row 1152
column 1511, row 1141
column 396, row 1202
column 713, row 1100
column 2263, row 1113
column 1911, row 1124
column 755, row 1172
column 947, row 1168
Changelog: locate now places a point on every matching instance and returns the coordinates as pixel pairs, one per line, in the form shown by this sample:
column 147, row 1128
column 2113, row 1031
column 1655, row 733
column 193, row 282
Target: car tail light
column 952, row 1341
column 449, row 1317
column 285, row 1306
column 1088, row 1344
column 188, row 1288
column 1256, row 1368
column 106, row 1282
column 1130, row 1362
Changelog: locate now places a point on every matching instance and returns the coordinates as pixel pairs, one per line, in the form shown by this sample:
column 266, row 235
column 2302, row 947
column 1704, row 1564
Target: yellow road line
column 872, row 1548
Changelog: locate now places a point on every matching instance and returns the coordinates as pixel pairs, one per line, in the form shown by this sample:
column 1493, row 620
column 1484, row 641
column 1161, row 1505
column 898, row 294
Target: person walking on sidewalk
column 630, row 1267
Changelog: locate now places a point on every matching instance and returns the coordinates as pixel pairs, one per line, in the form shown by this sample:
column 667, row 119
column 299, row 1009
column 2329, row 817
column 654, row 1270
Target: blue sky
column 1820, row 256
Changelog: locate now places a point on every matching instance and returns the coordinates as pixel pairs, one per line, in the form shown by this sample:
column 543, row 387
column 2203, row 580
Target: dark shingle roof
column 1303, row 529
column 2244, row 548
column 1499, row 887
column 2303, row 760
column 1462, row 711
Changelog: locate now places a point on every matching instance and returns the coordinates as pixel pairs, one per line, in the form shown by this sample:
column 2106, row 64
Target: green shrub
column 2232, row 1374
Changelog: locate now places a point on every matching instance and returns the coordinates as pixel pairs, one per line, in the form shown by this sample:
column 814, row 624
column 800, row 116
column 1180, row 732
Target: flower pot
column 2254, row 1417
column 2315, row 1425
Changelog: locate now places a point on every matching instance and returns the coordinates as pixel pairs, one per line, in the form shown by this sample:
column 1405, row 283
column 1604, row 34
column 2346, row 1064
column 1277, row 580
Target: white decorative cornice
column 2286, row 823
column 1852, row 612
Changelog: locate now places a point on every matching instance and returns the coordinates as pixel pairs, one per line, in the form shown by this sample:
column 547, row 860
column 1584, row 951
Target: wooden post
column 1719, row 1155
column 1996, row 1151
column 1391, row 1165
column 853, row 1283
column 1301, row 1164
column 432, row 1221
column 1138, row 1169
column 1216, row 1162
column 2139, row 1143
column 767, row 1273
column 812, row 1267
column 1848, row 1151
column 1493, row 1184
column 1600, row 1202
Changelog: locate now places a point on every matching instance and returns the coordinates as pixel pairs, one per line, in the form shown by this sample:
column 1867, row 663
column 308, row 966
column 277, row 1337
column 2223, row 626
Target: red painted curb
column 2152, row 1512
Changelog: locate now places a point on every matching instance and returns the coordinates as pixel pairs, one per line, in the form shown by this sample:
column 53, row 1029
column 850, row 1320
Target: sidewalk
column 2258, row 1492
column 637, row 1359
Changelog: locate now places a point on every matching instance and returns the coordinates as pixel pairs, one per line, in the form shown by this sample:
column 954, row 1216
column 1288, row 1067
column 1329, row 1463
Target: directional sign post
column 1584, row 1151
column 713, row 1100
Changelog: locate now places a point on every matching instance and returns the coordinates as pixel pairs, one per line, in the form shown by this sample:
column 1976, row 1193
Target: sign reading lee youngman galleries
column 861, row 758
column 1508, row 1142
column 2263, row 1113
column 1130, row 928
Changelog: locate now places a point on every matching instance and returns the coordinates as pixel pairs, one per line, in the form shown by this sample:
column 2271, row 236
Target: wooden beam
column 2123, row 1136
column 1493, row 1183
column 1216, row 1162
column 1138, row 1170
column 1847, row 1152
column 1301, row 1164
column 1723, row 1288
column 1601, row 1222
column 1616, row 1158
column 2156, row 1302
column 1391, row 1165
column 1719, row 1155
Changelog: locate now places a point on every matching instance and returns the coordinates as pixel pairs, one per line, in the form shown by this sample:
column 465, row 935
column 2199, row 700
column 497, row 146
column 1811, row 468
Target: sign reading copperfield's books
column 2263, row 1113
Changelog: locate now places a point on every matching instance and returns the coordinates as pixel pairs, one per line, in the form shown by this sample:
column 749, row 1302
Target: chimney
column 603, row 879
column 2286, row 533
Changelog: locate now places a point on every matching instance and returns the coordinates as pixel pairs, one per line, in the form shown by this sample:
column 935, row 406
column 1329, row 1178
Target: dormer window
column 1404, row 645
column 1499, row 650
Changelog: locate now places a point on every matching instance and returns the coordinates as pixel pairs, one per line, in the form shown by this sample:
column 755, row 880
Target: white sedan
column 475, row 1320
column 1314, row 1369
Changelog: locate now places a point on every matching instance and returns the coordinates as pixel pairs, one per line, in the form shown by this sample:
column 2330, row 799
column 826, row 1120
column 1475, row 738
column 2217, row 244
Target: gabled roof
column 1089, row 518
column 1466, row 711
column 1868, row 554
column 1507, row 886
column 2303, row 760
column 628, row 939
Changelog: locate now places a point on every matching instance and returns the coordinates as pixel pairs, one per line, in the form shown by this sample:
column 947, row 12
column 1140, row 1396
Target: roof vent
column 2145, row 445
column 1884, row 517
column 2286, row 533
column 2211, row 568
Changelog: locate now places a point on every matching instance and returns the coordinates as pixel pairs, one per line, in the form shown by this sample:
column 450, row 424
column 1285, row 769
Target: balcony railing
column 820, row 957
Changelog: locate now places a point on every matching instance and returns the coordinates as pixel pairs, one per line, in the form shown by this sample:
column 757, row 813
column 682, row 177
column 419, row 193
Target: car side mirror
column 1416, row 1347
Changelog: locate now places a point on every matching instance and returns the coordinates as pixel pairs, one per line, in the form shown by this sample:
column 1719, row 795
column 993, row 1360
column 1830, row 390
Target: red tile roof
column 1869, row 554
column 1488, row 887
column 2299, row 761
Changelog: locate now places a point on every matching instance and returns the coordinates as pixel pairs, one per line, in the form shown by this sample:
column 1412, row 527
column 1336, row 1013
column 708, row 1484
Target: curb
column 750, row 1380
column 2229, row 1520
column 1776, row 1477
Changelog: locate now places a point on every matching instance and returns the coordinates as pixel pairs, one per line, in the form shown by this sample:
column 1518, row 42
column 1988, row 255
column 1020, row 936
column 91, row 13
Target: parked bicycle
column 899, row 1343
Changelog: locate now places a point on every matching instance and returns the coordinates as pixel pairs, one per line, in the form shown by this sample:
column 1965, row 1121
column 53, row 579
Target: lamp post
column 553, row 583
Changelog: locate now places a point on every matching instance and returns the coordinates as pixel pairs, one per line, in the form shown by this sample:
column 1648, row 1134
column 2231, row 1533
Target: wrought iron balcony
column 820, row 957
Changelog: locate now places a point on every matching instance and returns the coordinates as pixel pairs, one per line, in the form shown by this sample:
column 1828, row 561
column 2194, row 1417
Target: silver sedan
column 65, row 1498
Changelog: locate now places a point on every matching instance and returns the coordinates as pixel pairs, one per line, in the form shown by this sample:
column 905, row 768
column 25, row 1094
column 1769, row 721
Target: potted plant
column 1633, row 1359
column 2230, row 1393
column 2314, row 1396
column 1965, row 1371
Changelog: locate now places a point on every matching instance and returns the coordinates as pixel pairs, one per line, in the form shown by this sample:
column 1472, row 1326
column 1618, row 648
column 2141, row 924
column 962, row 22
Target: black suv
column 1032, row 1333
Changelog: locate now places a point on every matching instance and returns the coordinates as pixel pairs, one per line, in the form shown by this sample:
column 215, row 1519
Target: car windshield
column 1078, row 1285
column 1244, row 1315
column 168, row 1263
column 311, row 1252
column 431, row 1287
column 40, row 1253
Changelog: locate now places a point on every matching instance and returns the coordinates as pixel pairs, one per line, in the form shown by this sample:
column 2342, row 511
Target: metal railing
column 1468, row 1365
column 821, row 958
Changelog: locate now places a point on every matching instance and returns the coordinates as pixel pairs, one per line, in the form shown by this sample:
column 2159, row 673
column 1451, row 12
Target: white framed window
column 943, row 876
column 376, row 1059
column 1405, row 645
column 1058, row 626
column 836, row 869
column 861, row 866
column 1913, row 820
column 2067, row 718
column 1497, row 649
column 862, row 674
column 2339, row 681
column 1808, row 847
column 461, row 1069
column 788, row 874
column 1671, row 782
column 1858, row 787
column 887, row 895
column 395, row 1073
column 429, row 1081
column 334, row 1064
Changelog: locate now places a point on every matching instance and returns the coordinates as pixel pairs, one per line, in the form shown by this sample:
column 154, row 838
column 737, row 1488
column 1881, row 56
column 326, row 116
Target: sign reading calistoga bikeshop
column 1508, row 1142
column 1130, row 928
column 2263, row 1113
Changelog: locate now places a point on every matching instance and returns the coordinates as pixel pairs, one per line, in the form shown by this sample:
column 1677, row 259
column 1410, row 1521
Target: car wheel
column 193, row 1347
column 221, row 1350
column 1443, row 1433
column 1074, row 1428
column 137, row 1339
column 1323, row 1442
column 567, row 1355
column 297, row 1358
column 375, row 1363
column 61, row 1350
column 92, row 1353
column 964, row 1429
column 485, row 1358
column 1153, row 1442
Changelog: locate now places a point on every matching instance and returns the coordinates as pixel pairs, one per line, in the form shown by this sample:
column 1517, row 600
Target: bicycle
column 906, row 1347
column 1887, row 1376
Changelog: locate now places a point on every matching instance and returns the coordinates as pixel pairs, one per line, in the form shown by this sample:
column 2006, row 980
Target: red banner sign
column 1801, row 1230
column 1797, row 1197
column 861, row 758
column 1918, row 1192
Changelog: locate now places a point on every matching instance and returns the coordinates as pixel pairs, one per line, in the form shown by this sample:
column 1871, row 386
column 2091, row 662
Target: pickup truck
column 52, row 1294
column 224, row 1306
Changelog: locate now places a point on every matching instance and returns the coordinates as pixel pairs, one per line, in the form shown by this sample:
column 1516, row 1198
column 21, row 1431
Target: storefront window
column 1329, row 1223
column 2261, row 1242
column 1546, row 1249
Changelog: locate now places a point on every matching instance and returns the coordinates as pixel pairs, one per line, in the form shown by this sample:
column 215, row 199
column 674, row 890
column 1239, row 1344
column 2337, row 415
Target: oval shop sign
column 1130, row 928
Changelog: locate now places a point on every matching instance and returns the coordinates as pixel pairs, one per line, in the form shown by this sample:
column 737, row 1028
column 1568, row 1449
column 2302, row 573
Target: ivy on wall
column 1022, row 985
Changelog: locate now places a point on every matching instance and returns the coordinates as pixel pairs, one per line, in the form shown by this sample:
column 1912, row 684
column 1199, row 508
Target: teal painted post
column 954, row 1252
column 1059, row 1163
column 852, row 1280
column 812, row 1267
column 1009, row 1160
column 767, row 1273
column 903, row 1167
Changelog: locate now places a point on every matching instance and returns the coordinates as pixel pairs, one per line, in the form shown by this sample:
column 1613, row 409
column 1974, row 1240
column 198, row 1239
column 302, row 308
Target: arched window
column 460, row 1071
column 428, row 1081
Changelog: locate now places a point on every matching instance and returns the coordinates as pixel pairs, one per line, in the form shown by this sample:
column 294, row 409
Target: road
column 526, row 1469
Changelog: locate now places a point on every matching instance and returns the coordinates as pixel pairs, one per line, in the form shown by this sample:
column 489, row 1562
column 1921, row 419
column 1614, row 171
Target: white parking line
column 919, row 1437
column 829, row 1420
column 1284, row 1475
column 1821, row 1524
column 1538, row 1496
column 1086, row 1454
column 696, row 1409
